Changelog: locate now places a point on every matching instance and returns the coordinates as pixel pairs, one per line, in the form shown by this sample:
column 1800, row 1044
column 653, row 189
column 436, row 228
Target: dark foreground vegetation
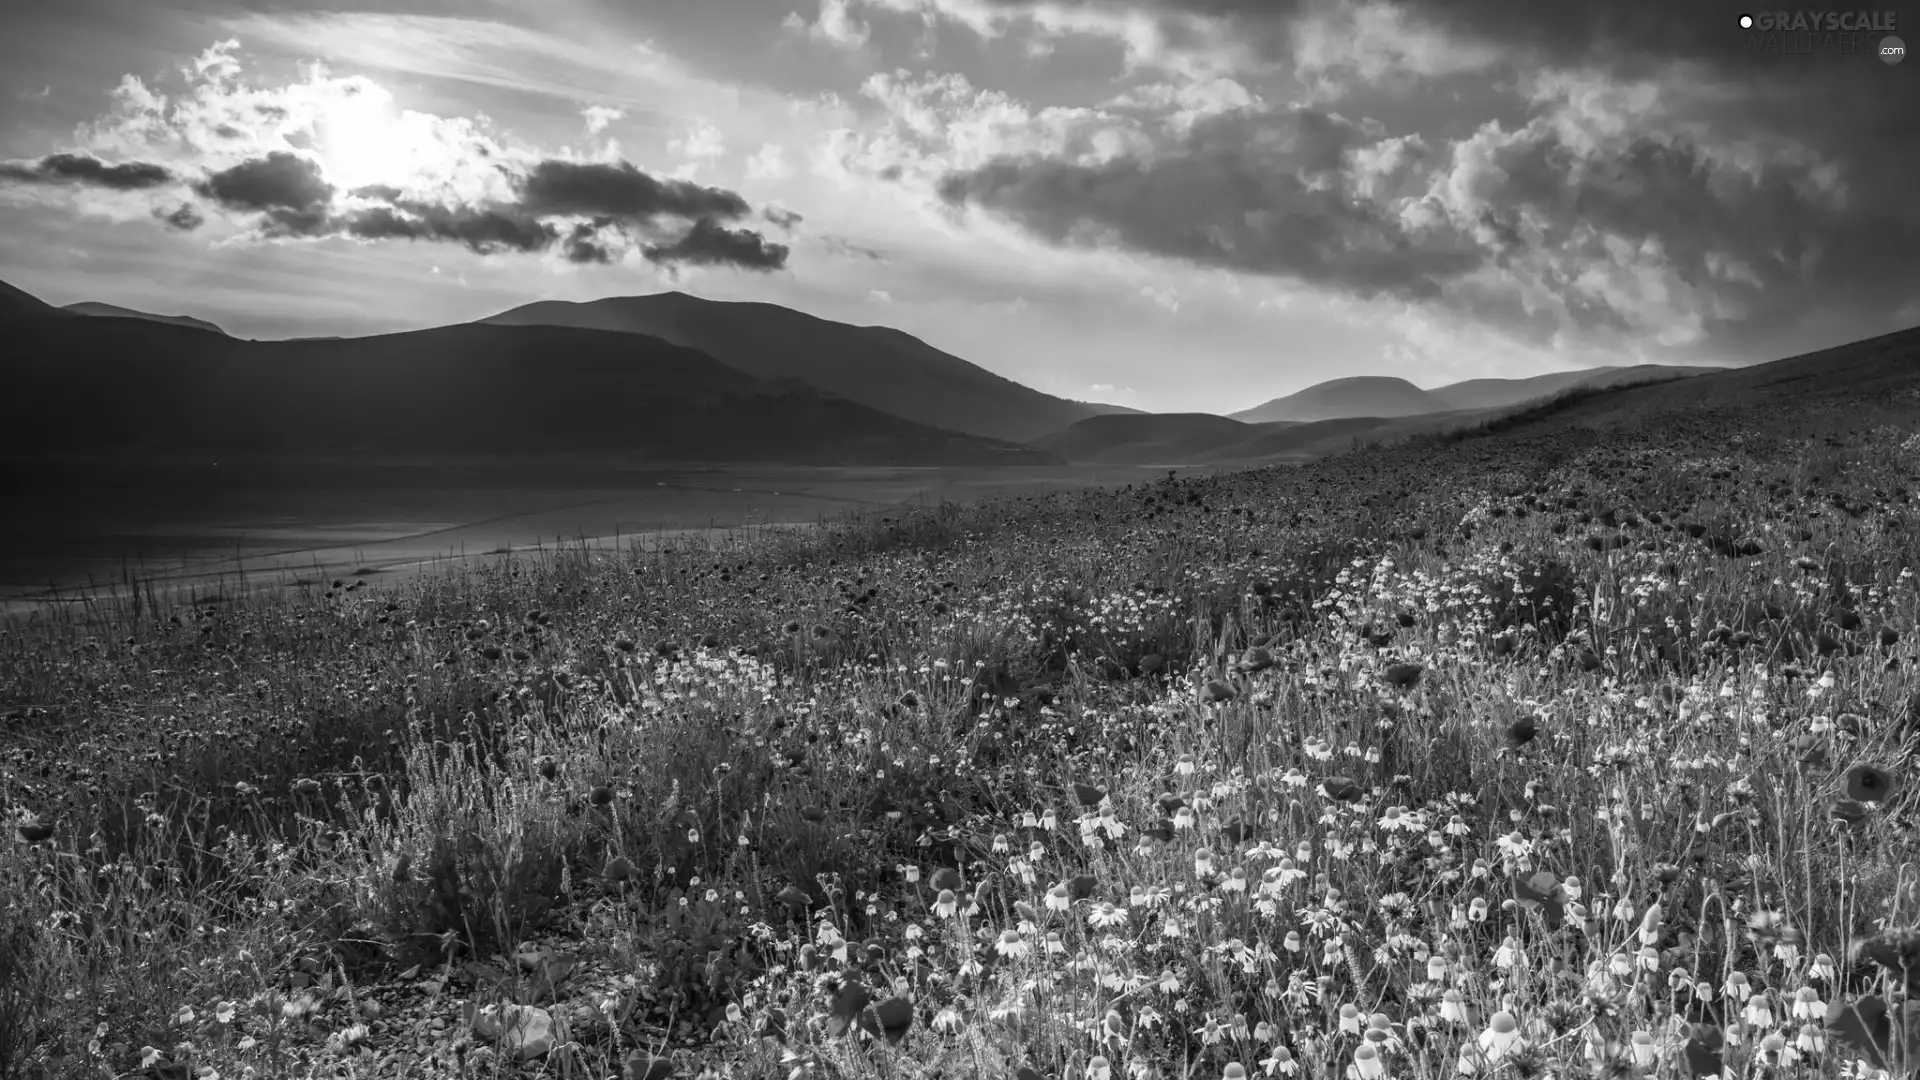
column 1558, row 751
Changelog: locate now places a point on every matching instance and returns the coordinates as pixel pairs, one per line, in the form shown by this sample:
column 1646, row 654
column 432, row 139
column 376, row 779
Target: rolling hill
column 877, row 366
column 1146, row 438
column 1496, row 393
column 1205, row 439
column 1381, row 396
column 1361, row 395
column 1857, row 371
column 115, row 311
column 98, row 386
column 14, row 304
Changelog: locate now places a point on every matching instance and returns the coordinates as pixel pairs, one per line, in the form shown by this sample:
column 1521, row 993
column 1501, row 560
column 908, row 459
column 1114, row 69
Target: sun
column 359, row 140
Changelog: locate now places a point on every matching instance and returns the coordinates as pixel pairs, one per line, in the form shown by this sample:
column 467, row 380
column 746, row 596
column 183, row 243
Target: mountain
column 17, row 304
column 877, row 366
column 111, row 385
column 1381, row 396
column 1494, row 393
column 1361, row 395
column 92, row 307
column 1857, row 371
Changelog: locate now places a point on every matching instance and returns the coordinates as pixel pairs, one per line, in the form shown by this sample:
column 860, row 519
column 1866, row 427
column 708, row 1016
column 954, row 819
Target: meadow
column 1552, row 751
column 83, row 529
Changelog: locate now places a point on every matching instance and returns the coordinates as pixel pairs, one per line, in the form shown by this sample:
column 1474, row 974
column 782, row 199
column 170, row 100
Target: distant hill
column 877, row 366
column 92, row 307
column 1494, row 393
column 1324, row 438
column 1145, row 438
column 1205, row 439
column 1857, row 370
column 114, row 385
column 1361, row 395
column 1381, row 396
column 15, row 303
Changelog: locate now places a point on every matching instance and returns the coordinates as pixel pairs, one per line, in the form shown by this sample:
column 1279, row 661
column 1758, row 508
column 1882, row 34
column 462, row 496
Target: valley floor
column 83, row 528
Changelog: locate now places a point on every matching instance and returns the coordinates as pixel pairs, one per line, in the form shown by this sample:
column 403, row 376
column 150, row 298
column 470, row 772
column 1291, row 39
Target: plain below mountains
column 86, row 386
column 1384, row 396
column 877, row 366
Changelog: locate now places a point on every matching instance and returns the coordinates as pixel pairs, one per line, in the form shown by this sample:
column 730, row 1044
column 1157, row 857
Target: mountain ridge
column 1389, row 396
column 132, row 386
column 882, row 367
column 98, row 309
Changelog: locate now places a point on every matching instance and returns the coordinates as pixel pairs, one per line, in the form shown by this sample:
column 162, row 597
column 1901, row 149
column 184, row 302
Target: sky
column 1175, row 205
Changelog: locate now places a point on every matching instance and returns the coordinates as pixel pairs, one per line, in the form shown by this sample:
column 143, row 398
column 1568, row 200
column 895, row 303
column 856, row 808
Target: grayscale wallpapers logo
column 1807, row 32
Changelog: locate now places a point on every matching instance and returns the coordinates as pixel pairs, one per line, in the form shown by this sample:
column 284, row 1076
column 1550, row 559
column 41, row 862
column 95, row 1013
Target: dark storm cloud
column 1771, row 240
column 286, row 221
column 618, row 189
column 510, row 228
column 89, row 171
column 583, row 244
column 710, row 243
column 1624, row 31
column 1756, row 194
column 1259, row 192
column 279, row 181
column 1832, row 97
column 483, row 231
column 669, row 221
column 186, row 217
column 381, row 192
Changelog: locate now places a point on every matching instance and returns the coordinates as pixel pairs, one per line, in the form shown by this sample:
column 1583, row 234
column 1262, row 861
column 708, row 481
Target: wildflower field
column 1552, row 751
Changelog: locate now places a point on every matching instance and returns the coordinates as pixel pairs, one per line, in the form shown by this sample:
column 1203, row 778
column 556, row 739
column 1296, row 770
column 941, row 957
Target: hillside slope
column 1496, row 393
column 115, row 311
column 1361, row 395
column 1832, row 378
column 878, row 366
column 113, row 385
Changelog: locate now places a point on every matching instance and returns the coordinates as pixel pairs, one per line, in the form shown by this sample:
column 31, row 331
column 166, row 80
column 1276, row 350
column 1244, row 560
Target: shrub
column 472, row 857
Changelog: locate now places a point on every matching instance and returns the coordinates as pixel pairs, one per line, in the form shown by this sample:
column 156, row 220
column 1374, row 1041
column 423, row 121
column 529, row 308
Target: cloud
column 185, row 217
column 599, row 116
column 782, row 217
column 1628, row 230
column 709, row 243
column 586, row 243
column 618, row 189
column 935, row 124
column 1263, row 192
column 278, row 181
column 702, row 140
column 835, row 25
column 86, row 170
column 846, row 248
column 769, row 163
column 626, row 209
column 1617, row 174
column 332, row 157
column 482, row 231
column 1196, row 40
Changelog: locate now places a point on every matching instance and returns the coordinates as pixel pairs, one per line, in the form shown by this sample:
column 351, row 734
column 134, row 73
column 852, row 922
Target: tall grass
column 1383, row 762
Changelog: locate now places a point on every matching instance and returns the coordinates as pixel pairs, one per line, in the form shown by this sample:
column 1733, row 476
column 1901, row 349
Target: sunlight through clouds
column 1413, row 182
